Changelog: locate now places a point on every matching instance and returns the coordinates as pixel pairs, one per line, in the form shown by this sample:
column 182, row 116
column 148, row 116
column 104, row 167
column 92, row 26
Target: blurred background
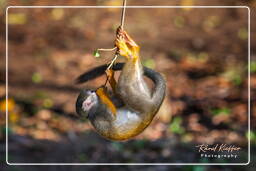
column 202, row 53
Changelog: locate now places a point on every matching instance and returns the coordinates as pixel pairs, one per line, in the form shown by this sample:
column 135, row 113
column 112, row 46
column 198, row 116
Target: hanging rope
column 115, row 48
column 122, row 27
column 123, row 15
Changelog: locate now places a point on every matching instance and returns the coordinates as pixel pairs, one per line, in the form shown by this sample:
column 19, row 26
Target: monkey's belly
column 126, row 125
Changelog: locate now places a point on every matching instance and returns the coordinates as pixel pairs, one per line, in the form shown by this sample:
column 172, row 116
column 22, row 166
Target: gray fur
column 139, row 108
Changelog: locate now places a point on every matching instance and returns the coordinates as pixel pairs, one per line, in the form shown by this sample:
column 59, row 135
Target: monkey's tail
column 160, row 85
column 153, row 75
column 96, row 72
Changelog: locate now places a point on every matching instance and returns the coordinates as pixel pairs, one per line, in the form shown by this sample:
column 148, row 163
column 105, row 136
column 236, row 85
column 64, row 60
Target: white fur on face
column 89, row 101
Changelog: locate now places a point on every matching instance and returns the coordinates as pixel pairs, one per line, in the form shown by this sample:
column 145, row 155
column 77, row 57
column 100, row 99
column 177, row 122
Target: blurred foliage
column 117, row 146
column 176, row 126
column 201, row 57
column 243, row 33
column 17, row 18
column 194, row 168
column 253, row 66
column 187, row 3
column 40, row 95
column 10, row 104
column 150, row 63
column 176, row 53
column 82, row 157
column 140, row 144
column 14, row 117
column 179, row 21
column 110, row 2
column 234, row 75
column 37, row 77
column 48, row 103
column 252, row 137
column 211, row 22
column 218, row 111
column 57, row 13
column 2, row 5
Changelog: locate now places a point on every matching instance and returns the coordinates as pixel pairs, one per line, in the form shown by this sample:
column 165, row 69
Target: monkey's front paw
column 126, row 46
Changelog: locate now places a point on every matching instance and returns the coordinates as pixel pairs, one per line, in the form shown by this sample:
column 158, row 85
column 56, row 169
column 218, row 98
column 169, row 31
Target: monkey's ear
column 79, row 103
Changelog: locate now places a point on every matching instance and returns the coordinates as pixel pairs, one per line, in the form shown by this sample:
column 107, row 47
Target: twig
column 110, row 49
column 112, row 61
column 109, row 66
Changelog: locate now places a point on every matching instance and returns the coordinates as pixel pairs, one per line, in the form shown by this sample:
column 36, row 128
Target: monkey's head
column 86, row 102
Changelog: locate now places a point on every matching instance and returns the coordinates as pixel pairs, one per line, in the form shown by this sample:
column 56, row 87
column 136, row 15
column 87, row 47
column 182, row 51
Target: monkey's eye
column 89, row 92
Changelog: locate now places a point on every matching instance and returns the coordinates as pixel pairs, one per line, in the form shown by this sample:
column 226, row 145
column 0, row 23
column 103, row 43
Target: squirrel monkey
column 132, row 106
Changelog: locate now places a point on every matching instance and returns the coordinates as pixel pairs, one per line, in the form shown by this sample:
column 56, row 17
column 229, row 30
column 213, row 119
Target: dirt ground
column 202, row 53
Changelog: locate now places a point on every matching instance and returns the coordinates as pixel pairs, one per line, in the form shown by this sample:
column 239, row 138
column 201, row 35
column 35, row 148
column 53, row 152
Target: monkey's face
column 86, row 101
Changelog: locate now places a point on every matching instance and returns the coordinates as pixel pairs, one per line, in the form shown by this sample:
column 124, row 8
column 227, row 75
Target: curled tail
column 160, row 84
column 96, row 72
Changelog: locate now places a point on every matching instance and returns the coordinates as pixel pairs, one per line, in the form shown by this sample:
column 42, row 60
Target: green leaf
column 225, row 111
column 253, row 66
column 176, row 126
column 96, row 53
column 36, row 77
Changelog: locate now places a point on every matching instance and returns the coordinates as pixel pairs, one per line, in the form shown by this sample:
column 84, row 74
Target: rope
column 122, row 27
column 117, row 53
column 123, row 15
